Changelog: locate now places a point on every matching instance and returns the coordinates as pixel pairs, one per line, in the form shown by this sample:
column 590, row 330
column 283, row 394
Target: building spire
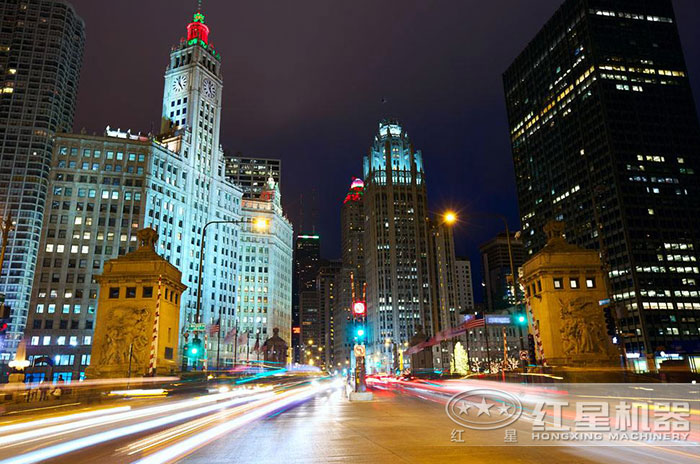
column 197, row 30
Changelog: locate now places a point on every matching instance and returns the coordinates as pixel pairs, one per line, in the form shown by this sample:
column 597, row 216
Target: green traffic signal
column 195, row 350
column 521, row 319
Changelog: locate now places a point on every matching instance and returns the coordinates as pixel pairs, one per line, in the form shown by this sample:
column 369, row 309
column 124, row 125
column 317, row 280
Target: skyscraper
column 396, row 240
column 41, row 50
column 351, row 279
column 251, row 174
column 307, row 261
column 328, row 288
column 495, row 265
column 465, row 288
column 605, row 137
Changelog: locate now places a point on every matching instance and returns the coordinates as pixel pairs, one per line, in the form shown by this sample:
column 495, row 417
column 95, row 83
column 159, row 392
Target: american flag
column 473, row 323
column 214, row 328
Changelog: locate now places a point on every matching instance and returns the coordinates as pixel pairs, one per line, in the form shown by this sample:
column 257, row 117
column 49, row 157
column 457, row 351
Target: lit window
column 73, row 341
column 61, row 340
column 46, row 340
column 66, row 309
column 650, row 211
column 35, row 340
column 590, row 282
column 573, row 283
column 39, row 308
column 558, row 283
column 51, row 309
column 87, row 340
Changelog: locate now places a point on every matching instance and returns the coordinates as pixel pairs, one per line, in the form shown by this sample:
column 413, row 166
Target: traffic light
column 359, row 314
column 195, row 349
column 609, row 321
column 359, row 309
column 531, row 349
column 521, row 319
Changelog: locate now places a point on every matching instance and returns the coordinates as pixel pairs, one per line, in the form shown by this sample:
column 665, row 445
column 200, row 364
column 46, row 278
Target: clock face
column 180, row 83
column 208, row 88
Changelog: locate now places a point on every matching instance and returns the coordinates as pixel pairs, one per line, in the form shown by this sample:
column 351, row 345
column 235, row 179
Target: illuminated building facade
column 105, row 188
column 495, row 264
column 307, row 262
column 328, row 288
column 396, row 243
column 605, row 136
column 251, row 174
column 264, row 299
column 352, row 274
column 37, row 100
column 465, row 288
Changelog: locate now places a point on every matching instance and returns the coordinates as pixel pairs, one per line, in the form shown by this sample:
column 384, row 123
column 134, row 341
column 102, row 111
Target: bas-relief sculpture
column 275, row 349
column 582, row 329
column 127, row 330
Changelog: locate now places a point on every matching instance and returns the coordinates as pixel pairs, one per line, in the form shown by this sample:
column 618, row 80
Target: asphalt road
column 295, row 424
column 397, row 428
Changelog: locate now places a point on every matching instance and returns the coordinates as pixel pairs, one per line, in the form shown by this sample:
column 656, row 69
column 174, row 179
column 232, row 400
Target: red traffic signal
column 359, row 308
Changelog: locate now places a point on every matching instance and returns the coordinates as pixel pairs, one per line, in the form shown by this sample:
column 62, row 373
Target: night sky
column 305, row 81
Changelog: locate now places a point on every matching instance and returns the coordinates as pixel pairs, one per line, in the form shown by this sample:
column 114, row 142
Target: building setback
column 37, row 100
column 605, row 137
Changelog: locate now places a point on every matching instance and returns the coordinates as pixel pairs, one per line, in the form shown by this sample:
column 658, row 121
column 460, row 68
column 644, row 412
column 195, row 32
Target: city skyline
column 456, row 109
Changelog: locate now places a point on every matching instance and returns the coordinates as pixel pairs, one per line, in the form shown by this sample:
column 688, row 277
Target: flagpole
column 218, row 345
column 235, row 344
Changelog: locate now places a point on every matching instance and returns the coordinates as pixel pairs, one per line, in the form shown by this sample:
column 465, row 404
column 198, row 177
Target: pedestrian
column 43, row 390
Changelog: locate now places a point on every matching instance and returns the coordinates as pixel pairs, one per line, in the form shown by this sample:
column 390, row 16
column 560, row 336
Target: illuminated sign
column 313, row 237
column 497, row 319
column 296, row 330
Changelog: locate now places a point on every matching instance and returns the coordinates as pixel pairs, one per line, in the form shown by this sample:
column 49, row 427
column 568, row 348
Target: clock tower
column 192, row 95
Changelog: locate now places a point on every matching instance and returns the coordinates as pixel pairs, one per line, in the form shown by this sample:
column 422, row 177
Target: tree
column 461, row 360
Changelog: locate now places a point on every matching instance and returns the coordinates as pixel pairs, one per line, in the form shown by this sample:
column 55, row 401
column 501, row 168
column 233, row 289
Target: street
column 295, row 422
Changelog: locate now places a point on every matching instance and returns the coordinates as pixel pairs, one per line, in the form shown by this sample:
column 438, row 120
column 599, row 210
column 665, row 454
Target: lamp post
column 450, row 218
column 258, row 223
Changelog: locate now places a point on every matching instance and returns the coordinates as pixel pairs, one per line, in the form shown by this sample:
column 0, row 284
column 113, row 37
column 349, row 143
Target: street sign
column 200, row 327
column 359, row 351
column 523, row 355
column 604, row 302
column 498, row 319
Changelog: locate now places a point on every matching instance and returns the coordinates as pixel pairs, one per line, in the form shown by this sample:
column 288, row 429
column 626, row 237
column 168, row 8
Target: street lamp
column 259, row 224
column 450, row 217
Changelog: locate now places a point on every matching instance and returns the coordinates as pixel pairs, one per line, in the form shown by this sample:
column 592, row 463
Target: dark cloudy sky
column 304, row 81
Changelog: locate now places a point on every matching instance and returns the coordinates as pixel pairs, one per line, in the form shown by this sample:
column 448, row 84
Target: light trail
column 189, row 445
column 64, row 418
column 92, row 440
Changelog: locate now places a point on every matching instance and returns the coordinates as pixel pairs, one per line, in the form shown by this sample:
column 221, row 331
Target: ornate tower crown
column 197, row 29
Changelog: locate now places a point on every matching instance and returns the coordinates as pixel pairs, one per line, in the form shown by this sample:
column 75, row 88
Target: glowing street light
column 450, row 217
column 261, row 224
